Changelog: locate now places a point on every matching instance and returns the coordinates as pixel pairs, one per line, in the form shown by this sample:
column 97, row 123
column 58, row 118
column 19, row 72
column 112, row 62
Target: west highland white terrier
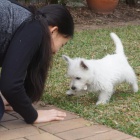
column 101, row 75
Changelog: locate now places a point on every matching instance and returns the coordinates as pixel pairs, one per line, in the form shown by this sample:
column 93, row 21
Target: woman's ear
column 53, row 29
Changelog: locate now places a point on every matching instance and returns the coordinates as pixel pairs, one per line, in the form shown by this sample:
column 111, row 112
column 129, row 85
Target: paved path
column 73, row 127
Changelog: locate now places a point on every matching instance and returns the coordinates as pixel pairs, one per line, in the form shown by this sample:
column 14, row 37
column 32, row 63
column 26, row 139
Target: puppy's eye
column 78, row 78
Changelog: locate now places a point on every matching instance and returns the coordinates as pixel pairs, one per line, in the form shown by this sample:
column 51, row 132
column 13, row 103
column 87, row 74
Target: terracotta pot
column 102, row 6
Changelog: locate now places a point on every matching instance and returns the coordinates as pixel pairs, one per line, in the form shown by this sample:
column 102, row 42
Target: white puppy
column 101, row 75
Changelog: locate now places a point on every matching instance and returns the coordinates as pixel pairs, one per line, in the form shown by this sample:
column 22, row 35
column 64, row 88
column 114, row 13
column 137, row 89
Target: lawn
column 123, row 110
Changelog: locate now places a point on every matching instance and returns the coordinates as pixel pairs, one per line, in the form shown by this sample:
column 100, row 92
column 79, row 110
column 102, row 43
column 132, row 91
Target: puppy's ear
column 83, row 65
column 68, row 59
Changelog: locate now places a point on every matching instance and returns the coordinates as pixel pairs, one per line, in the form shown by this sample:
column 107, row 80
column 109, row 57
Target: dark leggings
column 1, row 108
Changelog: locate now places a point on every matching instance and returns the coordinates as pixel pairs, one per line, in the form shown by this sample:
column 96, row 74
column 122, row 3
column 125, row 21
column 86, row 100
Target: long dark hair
column 50, row 15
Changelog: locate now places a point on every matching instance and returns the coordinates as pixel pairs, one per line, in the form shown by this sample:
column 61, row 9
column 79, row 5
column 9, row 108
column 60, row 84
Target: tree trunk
column 131, row 2
column 54, row 1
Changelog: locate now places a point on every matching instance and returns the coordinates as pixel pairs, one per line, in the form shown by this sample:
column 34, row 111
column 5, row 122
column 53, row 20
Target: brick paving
column 12, row 127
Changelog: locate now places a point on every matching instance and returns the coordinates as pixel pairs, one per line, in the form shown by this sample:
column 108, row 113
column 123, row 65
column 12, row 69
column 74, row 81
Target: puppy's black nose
column 73, row 87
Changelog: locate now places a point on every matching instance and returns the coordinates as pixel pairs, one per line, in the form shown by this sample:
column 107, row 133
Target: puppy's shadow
column 87, row 99
column 121, row 95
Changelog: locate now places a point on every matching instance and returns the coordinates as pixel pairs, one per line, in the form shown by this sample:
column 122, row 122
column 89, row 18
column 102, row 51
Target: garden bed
column 123, row 15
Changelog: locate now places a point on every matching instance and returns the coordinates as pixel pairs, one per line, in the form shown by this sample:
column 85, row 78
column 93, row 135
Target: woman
column 28, row 39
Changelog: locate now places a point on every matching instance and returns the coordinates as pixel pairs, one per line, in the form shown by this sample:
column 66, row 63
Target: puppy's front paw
column 101, row 102
column 69, row 92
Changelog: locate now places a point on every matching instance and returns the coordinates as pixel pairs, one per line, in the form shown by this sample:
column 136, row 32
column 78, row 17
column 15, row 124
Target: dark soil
column 122, row 15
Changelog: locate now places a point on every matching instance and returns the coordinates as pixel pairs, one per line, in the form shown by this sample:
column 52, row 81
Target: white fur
column 101, row 75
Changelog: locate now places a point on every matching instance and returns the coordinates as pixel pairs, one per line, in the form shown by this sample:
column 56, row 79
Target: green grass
column 123, row 111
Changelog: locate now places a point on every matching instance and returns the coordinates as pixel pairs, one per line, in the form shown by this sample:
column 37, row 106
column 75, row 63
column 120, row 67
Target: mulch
column 122, row 13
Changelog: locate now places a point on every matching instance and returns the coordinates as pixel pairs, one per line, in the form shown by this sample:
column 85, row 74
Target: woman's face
column 58, row 40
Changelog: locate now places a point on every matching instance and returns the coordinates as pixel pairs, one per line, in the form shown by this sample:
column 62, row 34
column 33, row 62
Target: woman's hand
column 7, row 106
column 49, row 115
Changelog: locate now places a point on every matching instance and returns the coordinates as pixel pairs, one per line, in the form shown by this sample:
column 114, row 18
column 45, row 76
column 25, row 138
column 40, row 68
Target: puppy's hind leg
column 132, row 80
column 134, row 86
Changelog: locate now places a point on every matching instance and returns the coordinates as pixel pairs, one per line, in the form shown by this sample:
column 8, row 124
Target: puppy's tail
column 118, row 43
